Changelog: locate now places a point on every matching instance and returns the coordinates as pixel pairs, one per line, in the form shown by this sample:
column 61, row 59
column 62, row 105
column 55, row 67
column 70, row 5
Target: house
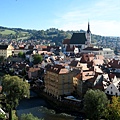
column 58, row 81
column 113, row 88
column 6, row 50
column 78, row 40
column 106, row 52
column 83, row 81
column 75, row 65
column 33, row 72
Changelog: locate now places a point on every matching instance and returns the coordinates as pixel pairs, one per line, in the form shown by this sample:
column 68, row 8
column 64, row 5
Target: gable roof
column 86, row 57
column 74, row 63
column 78, row 38
column 66, row 41
column 58, row 69
column 33, row 69
column 114, row 63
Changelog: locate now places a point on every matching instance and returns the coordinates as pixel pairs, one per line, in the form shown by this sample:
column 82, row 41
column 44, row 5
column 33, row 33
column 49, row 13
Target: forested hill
column 52, row 34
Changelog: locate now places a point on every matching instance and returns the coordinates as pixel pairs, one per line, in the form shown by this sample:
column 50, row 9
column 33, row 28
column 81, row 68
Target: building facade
column 58, row 81
column 6, row 50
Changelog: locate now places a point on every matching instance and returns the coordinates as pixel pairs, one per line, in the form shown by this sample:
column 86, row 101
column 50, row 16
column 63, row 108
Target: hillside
column 51, row 34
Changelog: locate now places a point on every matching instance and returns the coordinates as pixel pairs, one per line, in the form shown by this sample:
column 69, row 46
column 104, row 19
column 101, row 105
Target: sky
column 103, row 15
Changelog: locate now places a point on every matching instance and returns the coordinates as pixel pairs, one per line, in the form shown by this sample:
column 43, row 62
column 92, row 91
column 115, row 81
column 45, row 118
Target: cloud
column 106, row 28
column 103, row 15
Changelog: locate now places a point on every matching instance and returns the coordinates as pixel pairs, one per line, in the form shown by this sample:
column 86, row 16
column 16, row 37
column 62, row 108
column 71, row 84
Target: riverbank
column 41, row 109
column 62, row 106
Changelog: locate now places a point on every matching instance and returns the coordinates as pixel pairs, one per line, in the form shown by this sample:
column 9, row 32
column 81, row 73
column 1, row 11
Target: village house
column 6, row 51
column 58, row 81
column 33, row 73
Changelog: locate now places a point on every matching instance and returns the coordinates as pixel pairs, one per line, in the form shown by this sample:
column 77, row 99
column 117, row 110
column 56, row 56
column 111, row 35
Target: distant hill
column 53, row 34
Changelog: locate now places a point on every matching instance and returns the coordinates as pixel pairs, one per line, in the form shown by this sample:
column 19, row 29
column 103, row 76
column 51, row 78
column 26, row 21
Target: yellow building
column 6, row 50
column 58, row 81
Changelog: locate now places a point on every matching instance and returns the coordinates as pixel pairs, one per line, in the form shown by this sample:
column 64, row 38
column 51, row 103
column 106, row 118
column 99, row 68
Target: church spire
column 88, row 35
column 88, row 31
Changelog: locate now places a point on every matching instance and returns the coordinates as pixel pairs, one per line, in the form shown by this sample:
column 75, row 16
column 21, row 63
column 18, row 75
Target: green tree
column 113, row 109
column 37, row 58
column 2, row 116
column 21, row 55
column 29, row 117
column 2, row 58
column 95, row 102
column 15, row 89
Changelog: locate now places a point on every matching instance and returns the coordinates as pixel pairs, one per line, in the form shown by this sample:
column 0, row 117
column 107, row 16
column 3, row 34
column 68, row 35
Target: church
column 77, row 42
column 81, row 43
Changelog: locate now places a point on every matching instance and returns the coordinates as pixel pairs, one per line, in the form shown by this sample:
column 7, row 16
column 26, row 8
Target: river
column 41, row 109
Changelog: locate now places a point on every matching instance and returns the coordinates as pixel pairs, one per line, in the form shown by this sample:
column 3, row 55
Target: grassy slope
column 7, row 32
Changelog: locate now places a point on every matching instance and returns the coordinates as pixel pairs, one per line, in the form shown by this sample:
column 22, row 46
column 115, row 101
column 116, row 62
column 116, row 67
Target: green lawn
column 7, row 32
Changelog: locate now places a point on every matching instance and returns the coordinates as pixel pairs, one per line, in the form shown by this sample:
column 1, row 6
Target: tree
column 113, row 109
column 2, row 58
column 29, row 117
column 21, row 55
column 2, row 116
column 95, row 102
column 37, row 58
column 15, row 89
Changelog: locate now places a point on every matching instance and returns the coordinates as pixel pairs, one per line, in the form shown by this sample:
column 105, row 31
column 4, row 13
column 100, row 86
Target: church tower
column 88, row 36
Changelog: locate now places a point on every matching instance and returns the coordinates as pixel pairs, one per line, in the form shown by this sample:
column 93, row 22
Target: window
column 63, row 77
column 111, row 87
column 111, row 92
column 108, row 92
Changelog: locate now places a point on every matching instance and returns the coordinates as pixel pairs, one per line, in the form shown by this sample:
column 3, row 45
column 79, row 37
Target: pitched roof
column 66, row 41
column 33, row 69
column 86, row 57
column 3, row 47
column 58, row 69
column 73, row 63
column 114, row 63
column 78, row 38
column 111, row 76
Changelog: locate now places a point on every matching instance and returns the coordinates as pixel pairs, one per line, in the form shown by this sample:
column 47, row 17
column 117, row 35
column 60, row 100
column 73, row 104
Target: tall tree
column 95, row 102
column 21, row 55
column 37, row 58
column 113, row 109
column 15, row 89
column 29, row 117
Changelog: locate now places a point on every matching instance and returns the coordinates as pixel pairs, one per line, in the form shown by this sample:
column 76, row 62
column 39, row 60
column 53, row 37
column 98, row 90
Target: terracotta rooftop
column 66, row 41
column 33, row 69
column 58, row 69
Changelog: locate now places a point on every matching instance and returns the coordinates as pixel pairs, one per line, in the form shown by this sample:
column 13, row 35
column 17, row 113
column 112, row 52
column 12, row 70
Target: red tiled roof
column 66, row 41
column 111, row 76
column 79, row 76
column 86, row 57
column 114, row 63
column 33, row 69
column 58, row 69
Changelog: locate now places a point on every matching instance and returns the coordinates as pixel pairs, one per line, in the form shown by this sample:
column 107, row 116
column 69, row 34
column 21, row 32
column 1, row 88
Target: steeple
column 88, row 35
column 88, row 31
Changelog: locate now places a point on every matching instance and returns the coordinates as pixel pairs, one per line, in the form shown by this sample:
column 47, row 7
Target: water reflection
column 38, row 107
